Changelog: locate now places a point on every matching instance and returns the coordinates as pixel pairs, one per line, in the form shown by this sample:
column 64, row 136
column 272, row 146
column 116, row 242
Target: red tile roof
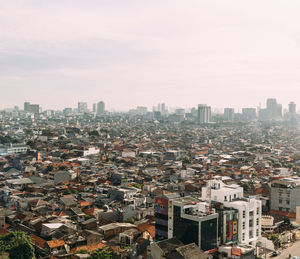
column 56, row 243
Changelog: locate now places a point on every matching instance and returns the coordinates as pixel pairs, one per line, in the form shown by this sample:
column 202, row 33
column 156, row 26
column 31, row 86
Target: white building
column 204, row 114
column 249, row 224
column 90, row 151
column 13, row 149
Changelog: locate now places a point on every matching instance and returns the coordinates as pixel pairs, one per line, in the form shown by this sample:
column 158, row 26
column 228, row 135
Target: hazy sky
column 141, row 52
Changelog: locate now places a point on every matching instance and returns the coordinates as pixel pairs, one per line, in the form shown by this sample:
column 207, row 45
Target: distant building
column 274, row 109
column 67, row 111
column 204, row 114
column 228, row 114
column 26, row 106
column 31, row 108
column 82, row 107
column 249, row 114
column 13, row 149
column 100, row 108
column 292, row 107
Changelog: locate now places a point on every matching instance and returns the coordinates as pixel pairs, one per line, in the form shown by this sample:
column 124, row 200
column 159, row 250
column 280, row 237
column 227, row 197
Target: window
column 225, row 198
column 287, row 209
column 287, row 202
column 250, row 223
column 234, row 196
column 280, row 201
column 251, row 213
column 243, row 236
column 257, row 221
column 280, row 208
column 257, row 232
column 257, row 211
column 244, row 225
column 244, row 214
column 250, row 234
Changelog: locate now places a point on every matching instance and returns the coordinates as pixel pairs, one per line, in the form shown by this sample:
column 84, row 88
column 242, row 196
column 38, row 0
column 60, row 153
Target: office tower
column 274, row 109
column 163, row 108
column 159, row 107
column 228, row 114
column 100, row 108
column 292, row 107
column 249, row 114
column 204, row 114
column 34, row 108
column 26, row 106
column 82, row 107
column 141, row 110
column 67, row 111
column 94, row 107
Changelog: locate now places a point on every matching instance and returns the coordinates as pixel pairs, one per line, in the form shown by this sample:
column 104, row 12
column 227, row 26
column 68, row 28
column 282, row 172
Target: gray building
column 228, row 114
column 285, row 194
column 204, row 114
column 100, row 108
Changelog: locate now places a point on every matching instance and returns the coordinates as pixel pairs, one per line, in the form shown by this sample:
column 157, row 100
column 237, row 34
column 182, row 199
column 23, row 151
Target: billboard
column 236, row 251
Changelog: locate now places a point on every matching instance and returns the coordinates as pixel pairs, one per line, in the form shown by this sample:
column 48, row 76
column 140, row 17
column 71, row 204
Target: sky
column 129, row 53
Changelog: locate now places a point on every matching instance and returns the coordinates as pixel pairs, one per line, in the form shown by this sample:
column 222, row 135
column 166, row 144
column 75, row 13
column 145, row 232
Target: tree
column 104, row 253
column 18, row 245
column 49, row 168
column 185, row 161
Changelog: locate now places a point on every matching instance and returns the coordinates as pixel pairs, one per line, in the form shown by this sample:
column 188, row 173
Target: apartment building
column 249, row 209
column 285, row 194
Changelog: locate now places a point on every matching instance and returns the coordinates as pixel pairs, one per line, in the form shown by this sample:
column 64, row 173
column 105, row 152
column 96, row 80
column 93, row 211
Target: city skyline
column 221, row 53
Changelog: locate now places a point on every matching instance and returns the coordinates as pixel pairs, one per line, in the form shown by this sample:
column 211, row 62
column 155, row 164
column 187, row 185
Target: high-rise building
column 67, row 111
column 26, row 106
column 82, row 107
column 31, row 108
column 249, row 114
column 228, row 114
column 274, row 109
column 94, row 107
column 204, row 114
column 292, row 107
column 100, row 108
column 163, row 108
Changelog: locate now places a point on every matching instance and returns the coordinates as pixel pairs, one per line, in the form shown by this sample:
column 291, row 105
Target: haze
column 129, row 53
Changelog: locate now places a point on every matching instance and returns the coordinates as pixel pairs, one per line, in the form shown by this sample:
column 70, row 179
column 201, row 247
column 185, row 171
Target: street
column 294, row 250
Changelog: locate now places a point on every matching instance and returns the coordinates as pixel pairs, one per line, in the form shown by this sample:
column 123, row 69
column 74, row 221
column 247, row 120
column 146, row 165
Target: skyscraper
column 204, row 114
column 82, row 107
column 100, row 108
column 249, row 114
column 292, row 107
column 26, row 106
column 228, row 114
column 274, row 109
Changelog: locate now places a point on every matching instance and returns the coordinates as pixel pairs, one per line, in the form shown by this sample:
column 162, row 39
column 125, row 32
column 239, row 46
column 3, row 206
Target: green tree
column 104, row 253
column 49, row 168
column 185, row 161
column 18, row 245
